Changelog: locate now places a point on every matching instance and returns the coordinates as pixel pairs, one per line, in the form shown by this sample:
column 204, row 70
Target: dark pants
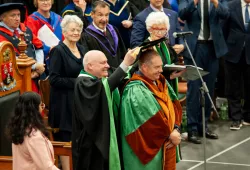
column 238, row 88
column 205, row 58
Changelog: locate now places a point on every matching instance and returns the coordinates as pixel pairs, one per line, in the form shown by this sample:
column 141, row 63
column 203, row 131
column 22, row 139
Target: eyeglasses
column 159, row 32
column 43, row 1
column 42, row 106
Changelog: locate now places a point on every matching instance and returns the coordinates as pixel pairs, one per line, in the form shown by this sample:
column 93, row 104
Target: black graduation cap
column 143, row 47
column 147, row 45
column 10, row 6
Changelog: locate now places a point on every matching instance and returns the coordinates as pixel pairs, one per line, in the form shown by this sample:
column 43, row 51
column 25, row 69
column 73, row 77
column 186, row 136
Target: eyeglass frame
column 161, row 32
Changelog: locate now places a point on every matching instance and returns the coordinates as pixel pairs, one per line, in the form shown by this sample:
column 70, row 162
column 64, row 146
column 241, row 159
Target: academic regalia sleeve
column 46, row 49
column 133, row 9
column 142, row 121
column 81, row 15
column 56, row 68
column 91, row 108
column 32, row 24
column 115, row 78
column 78, row 12
column 35, row 41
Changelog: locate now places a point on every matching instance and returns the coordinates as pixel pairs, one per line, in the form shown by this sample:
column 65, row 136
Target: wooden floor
column 230, row 152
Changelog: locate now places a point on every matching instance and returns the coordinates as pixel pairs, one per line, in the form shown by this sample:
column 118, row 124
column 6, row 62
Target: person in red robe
column 10, row 29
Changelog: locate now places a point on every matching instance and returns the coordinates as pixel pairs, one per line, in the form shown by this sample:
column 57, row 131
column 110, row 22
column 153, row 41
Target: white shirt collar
column 5, row 26
column 243, row 3
column 155, row 9
column 98, row 27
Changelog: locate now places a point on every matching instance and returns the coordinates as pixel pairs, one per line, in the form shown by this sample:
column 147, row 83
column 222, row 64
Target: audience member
column 10, row 29
column 27, row 5
column 237, row 63
column 94, row 140
column 31, row 149
column 65, row 66
column 44, row 17
column 139, row 31
column 121, row 16
column 81, row 8
column 149, row 119
column 157, row 24
column 102, row 36
column 207, row 44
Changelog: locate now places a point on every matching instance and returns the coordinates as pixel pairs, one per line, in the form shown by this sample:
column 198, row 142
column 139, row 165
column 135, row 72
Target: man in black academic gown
column 94, row 139
column 102, row 36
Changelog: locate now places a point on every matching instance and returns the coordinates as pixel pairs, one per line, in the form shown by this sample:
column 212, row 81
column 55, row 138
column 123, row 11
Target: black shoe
column 236, row 125
column 193, row 137
column 211, row 135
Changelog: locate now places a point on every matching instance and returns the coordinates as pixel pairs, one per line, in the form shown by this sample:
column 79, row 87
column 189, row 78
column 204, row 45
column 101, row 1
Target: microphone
column 182, row 34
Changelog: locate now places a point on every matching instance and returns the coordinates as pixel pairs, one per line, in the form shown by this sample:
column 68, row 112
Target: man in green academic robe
column 94, row 140
column 150, row 120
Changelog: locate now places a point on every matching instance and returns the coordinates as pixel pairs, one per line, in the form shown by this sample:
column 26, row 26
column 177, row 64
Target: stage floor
column 230, row 152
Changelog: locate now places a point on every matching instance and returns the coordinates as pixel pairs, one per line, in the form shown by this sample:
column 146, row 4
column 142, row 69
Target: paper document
column 47, row 36
column 191, row 72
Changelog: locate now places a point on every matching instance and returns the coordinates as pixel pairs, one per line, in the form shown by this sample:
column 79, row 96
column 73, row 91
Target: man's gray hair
column 71, row 19
column 157, row 18
column 99, row 3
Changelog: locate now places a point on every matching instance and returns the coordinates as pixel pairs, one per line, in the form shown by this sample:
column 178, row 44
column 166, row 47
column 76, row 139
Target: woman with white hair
column 65, row 66
column 158, row 25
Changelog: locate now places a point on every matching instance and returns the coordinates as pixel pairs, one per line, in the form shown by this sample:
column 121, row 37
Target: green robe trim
column 114, row 159
column 166, row 54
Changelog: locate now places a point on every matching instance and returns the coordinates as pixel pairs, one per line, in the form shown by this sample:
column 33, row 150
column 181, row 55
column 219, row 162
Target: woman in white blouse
column 31, row 149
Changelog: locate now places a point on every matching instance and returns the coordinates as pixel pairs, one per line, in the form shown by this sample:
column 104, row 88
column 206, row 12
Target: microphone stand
column 204, row 90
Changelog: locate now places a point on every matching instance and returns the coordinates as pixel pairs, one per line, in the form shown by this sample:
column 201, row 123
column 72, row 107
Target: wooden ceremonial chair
column 45, row 92
column 60, row 149
column 5, row 162
column 15, row 78
column 44, row 86
column 63, row 149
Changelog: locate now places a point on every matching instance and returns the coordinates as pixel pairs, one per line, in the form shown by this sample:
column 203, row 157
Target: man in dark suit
column 207, row 44
column 237, row 62
column 140, row 33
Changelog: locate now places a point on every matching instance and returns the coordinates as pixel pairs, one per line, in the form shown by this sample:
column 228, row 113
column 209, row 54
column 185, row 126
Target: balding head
column 96, row 63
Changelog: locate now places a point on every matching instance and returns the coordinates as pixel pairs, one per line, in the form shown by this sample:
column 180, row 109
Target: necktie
column 246, row 17
column 206, row 29
column 105, row 33
column 16, row 33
